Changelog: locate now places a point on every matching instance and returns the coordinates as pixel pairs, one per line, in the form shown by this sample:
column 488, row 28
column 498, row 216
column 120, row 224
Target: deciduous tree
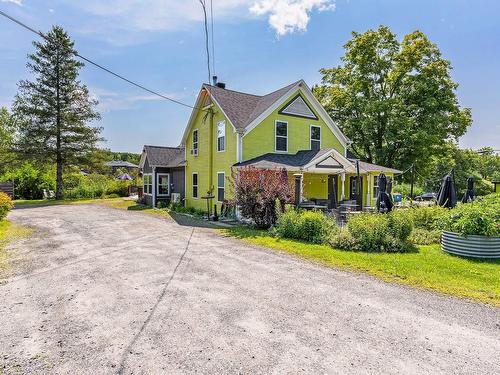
column 395, row 100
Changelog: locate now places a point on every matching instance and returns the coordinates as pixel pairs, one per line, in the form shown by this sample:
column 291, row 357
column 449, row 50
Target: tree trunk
column 59, row 161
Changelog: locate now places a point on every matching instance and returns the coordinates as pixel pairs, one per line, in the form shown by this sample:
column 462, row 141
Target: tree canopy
column 395, row 100
column 55, row 107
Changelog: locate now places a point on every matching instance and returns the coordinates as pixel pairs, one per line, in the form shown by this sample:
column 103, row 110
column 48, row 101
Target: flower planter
column 470, row 246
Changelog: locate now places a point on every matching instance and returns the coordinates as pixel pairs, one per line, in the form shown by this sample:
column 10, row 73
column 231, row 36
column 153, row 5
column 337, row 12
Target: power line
column 40, row 34
column 213, row 43
column 207, row 43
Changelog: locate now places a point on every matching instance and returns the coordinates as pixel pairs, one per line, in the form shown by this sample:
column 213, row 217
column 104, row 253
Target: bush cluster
column 421, row 236
column 428, row 218
column 374, row 232
column 31, row 181
column 5, row 205
column 180, row 208
column 309, row 226
column 481, row 217
column 78, row 186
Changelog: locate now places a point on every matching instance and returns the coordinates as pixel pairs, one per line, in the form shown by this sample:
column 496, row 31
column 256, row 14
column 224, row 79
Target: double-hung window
column 195, row 185
column 281, row 142
column 315, row 137
column 148, row 184
column 221, row 136
column 220, row 186
column 194, row 149
column 375, row 186
column 163, row 184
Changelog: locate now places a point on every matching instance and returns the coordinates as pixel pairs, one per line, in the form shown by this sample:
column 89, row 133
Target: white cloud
column 154, row 15
column 288, row 16
column 17, row 2
column 126, row 17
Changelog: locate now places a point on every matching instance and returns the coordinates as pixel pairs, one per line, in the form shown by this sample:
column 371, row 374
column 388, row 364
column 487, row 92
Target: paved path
column 102, row 291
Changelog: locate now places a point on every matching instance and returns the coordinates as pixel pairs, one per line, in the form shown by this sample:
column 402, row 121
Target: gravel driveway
column 96, row 290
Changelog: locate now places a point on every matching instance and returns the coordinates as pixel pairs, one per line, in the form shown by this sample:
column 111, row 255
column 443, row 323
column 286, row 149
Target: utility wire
column 207, row 43
column 119, row 76
column 213, row 43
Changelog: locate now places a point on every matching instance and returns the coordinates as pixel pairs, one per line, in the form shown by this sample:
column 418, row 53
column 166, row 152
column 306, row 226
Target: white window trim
column 197, row 141
column 375, row 186
column 217, row 132
column 219, row 187
column 197, row 185
column 143, row 183
column 158, row 184
column 310, row 136
column 276, row 136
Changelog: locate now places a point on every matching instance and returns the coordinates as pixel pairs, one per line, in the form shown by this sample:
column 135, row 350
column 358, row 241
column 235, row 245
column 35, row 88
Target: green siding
column 261, row 139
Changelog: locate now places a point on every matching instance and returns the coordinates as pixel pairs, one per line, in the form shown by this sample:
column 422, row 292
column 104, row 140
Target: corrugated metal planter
column 470, row 246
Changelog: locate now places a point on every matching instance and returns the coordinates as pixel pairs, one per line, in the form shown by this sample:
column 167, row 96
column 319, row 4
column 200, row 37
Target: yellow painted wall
column 209, row 161
column 261, row 139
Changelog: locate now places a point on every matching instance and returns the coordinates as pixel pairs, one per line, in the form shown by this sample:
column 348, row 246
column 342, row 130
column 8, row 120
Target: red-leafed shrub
column 257, row 192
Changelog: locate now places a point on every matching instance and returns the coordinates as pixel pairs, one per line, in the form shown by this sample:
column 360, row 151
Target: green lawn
column 9, row 232
column 429, row 268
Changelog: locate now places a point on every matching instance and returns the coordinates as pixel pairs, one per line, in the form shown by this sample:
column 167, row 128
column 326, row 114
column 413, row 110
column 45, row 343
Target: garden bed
column 471, row 246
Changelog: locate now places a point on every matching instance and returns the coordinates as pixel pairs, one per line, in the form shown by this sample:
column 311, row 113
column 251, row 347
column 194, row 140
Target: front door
column 355, row 191
column 332, row 191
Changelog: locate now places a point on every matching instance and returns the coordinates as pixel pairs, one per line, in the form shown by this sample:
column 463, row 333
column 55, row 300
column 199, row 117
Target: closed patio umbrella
column 447, row 196
column 384, row 202
column 469, row 193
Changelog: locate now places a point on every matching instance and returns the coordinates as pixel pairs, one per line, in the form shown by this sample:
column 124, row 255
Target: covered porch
column 325, row 178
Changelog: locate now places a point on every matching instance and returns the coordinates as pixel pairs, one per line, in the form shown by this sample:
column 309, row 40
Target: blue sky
column 260, row 45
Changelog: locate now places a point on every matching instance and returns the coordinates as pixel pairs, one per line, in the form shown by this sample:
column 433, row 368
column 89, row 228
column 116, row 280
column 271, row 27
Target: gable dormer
column 298, row 107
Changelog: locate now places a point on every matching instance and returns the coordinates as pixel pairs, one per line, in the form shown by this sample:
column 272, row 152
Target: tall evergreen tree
column 55, row 108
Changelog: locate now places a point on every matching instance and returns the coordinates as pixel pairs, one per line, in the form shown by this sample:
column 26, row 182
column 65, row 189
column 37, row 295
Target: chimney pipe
column 214, row 79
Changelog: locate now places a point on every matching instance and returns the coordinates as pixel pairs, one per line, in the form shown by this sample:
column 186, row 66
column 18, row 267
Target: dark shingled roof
column 159, row 156
column 121, row 164
column 272, row 160
column 303, row 158
column 242, row 108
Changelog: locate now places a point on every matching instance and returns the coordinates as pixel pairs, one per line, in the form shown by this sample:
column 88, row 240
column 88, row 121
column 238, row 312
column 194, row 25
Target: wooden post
column 298, row 189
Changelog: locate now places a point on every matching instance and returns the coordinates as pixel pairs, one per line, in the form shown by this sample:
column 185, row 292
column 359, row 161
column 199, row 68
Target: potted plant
column 473, row 229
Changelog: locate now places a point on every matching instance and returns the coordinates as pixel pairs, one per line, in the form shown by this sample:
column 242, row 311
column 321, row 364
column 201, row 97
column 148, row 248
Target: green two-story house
column 287, row 128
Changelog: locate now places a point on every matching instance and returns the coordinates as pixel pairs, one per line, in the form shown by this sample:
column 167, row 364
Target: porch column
column 153, row 181
column 368, row 189
column 342, row 188
column 298, row 188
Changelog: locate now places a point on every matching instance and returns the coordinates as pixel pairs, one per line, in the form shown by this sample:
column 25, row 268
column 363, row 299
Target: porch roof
column 313, row 161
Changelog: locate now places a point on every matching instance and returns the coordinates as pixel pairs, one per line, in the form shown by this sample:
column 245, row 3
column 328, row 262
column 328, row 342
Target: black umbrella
column 389, row 188
column 469, row 193
column 447, row 196
column 384, row 202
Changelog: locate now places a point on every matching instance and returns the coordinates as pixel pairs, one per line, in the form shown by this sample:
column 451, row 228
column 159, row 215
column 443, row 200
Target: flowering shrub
column 5, row 205
column 256, row 193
